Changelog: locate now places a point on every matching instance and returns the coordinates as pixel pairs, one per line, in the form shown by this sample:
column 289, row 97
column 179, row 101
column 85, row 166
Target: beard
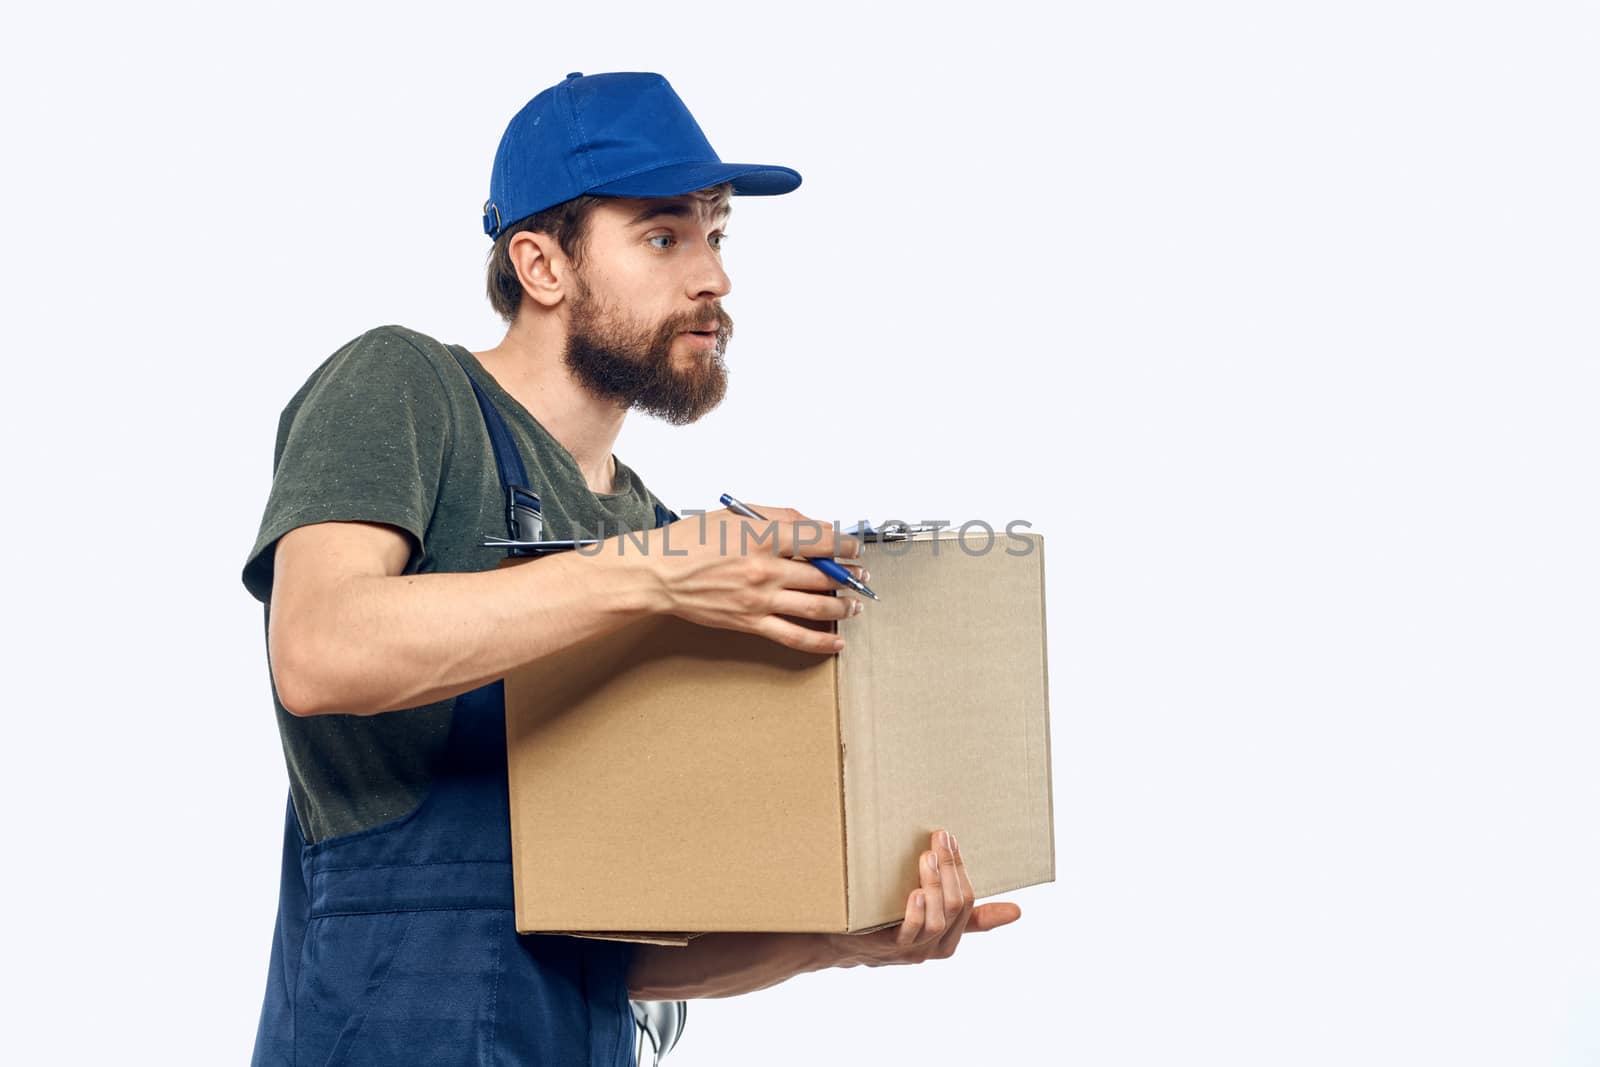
column 632, row 364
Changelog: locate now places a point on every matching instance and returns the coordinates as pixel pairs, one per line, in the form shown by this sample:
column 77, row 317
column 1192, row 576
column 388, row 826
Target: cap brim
column 749, row 179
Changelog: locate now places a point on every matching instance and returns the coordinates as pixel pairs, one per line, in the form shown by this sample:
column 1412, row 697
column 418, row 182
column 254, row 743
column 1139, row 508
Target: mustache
column 721, row 322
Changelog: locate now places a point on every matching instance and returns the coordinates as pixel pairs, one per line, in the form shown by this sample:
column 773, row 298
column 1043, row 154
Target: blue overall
column 397, row 945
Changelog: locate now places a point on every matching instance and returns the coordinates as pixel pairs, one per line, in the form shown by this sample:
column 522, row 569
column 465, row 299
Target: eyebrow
column 674, row 210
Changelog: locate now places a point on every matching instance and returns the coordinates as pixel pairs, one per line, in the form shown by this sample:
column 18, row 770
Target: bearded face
column 633, row 363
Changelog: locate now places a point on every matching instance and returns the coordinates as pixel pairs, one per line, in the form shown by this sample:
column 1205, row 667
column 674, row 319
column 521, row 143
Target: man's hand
column 726, row 965
column 937, row 914
column 723, row 570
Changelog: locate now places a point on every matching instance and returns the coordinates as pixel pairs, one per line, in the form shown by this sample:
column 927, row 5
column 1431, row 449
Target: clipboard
column 536, row 548
column 865, row 531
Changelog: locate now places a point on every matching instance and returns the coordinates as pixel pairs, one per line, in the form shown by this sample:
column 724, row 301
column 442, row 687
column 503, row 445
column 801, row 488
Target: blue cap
column 610, row 135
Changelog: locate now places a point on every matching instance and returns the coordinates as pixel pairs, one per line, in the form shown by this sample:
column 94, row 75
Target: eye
column 715, row 239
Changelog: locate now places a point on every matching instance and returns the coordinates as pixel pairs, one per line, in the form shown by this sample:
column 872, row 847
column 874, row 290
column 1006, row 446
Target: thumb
column 988, row 916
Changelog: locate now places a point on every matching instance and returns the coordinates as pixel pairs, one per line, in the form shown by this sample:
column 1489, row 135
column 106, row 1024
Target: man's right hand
column 721, row 569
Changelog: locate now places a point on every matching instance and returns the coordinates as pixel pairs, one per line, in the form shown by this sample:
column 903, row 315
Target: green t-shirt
column 388, row 430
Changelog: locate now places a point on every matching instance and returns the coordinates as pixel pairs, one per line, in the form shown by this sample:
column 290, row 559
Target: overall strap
column 524, row 521
column 506, row 456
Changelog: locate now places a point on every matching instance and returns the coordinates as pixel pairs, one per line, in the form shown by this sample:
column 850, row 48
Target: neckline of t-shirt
column 622, row 471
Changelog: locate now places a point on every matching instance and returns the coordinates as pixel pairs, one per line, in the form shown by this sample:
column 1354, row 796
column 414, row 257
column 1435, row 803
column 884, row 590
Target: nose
column 708, row 278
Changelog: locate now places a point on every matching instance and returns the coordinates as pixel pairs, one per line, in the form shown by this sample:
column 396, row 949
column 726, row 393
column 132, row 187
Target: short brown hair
column 568, row 223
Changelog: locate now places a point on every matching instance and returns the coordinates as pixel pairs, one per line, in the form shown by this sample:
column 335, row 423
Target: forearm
column 381, row 642
column 726, row 965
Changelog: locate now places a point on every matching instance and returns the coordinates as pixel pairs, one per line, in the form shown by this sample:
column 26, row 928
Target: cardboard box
column 670, row 778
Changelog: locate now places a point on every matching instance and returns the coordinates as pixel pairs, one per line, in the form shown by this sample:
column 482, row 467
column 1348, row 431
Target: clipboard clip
column 894, row 531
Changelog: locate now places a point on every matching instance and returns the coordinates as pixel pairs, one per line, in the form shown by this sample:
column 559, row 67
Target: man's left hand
column 937, row 914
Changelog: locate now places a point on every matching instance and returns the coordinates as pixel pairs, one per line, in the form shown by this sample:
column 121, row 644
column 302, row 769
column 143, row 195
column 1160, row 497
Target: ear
column 541, row 266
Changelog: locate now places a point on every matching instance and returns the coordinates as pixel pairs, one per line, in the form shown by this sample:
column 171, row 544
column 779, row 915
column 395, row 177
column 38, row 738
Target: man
column 388, row 625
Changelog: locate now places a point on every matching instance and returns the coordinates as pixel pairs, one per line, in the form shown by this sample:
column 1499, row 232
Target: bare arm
column 725, row 965
column 348, row 633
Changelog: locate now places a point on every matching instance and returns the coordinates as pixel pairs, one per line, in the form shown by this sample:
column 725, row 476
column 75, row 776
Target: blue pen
column 826, row 566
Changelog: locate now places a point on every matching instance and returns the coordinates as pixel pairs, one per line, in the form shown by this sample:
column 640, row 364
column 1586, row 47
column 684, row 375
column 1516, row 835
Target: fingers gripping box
column 668, row 778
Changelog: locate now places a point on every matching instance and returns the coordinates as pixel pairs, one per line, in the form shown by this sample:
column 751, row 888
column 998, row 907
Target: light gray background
column 1278, row 320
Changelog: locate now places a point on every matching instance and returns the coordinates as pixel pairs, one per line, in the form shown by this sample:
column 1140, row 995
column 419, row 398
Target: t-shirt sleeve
column 367, row 442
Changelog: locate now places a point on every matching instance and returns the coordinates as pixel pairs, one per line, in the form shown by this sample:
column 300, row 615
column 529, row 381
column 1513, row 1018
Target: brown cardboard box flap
column 670, row 940
column 944, row 717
